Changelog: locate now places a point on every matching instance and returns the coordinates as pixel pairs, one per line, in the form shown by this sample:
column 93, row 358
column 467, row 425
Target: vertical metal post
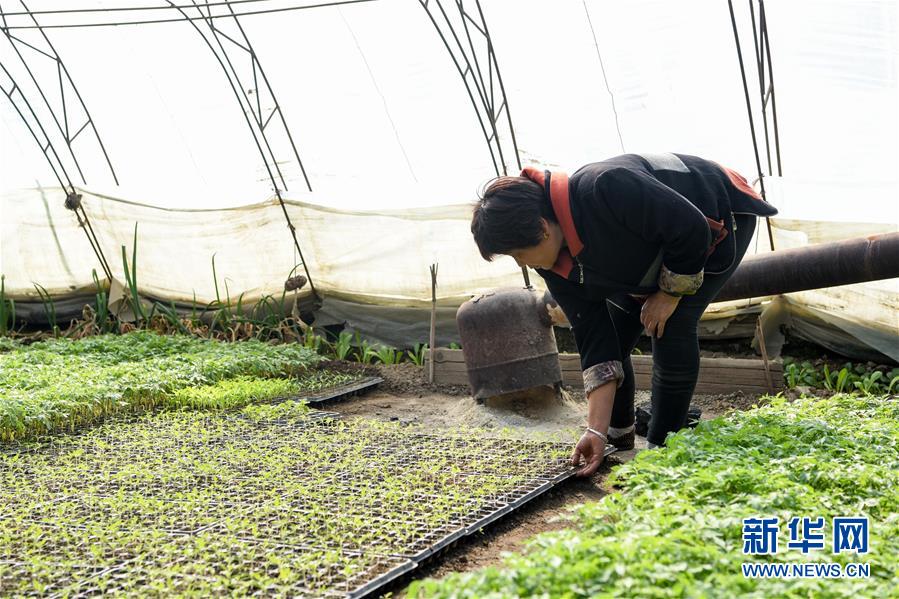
column 755, row 145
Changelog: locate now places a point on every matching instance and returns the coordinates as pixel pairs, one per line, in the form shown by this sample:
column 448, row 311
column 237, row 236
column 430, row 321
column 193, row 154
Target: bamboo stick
column 432, row 338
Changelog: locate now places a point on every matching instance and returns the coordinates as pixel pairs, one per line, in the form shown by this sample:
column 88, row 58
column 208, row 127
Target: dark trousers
column 675, row 357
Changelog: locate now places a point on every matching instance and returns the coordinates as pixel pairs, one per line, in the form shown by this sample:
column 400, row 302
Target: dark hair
column 507, row 216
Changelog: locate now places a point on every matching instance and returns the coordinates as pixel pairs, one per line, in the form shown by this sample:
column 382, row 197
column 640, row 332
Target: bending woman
column 630, row 243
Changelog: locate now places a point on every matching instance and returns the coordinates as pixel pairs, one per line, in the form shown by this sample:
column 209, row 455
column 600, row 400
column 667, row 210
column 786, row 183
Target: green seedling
column 49, row 308
column 131, row 279
column 342, row 347
column 7, row 310
column 61, row 384
column 364, row 351
column 312, row 341
column 101, row 311
column 417, row 354
column 812, row 457
column 843, row 378
column 387, row 355
column 266, row 501
column 869, row 382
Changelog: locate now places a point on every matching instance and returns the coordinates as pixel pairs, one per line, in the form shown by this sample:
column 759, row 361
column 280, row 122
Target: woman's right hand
column 590, row 447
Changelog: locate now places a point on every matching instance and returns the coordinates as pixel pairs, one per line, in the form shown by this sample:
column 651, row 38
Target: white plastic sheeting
column 389, row 139
column 361, row 256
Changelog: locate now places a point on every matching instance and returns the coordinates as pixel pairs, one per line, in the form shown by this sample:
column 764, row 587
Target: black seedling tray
column 343, row 391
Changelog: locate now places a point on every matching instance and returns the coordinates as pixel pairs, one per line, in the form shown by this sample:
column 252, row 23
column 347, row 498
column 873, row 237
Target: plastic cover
column 395, row 153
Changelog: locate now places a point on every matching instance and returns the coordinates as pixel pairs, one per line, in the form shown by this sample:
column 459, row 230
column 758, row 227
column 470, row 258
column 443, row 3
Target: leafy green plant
column 364, row 351
column 894, row 380
column 388, row 355
column 60, row 384
column 101, row 311
column 416, row 355
column 791, row 375
column 869, row 382
column 221, row 310
column 455, row 346
column 312, row 341
column 799, row 374
column 279, row 411
column 674, row 529
column 232, row 393
column 49, row 308
column 843, row 378
column 867, row 379
column 7, row 310
column 131, row 279
column 829, row 379
column 343, row 345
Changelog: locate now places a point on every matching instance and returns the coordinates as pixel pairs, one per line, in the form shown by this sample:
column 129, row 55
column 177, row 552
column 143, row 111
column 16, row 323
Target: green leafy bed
column 675, row 529
column 61, row 384
column 274, row 500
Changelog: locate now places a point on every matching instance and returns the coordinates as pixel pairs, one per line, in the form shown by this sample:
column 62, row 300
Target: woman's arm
column 598, row 347
column 592, row 446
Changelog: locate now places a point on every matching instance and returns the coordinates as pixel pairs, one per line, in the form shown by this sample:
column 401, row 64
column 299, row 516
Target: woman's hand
column 656, row 311
column 599, row 411
column 591, row 448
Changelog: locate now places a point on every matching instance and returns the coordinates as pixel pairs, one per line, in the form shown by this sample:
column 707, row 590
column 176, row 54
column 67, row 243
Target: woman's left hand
column 656, row 311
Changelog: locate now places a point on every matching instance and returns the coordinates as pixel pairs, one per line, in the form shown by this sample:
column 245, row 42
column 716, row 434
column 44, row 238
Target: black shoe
column 641, row 425
column 623, row 442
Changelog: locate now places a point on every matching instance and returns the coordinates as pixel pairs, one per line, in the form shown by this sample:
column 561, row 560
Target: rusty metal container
column 508, row 342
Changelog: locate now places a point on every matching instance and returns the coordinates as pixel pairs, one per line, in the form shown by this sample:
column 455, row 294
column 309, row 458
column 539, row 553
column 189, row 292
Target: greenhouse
column 471, row 298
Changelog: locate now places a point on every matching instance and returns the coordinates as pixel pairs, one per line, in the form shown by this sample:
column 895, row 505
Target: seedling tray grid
column 298, row 505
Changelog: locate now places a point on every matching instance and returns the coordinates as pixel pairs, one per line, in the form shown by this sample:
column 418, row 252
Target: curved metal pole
column 237, row 95
column 502, row 87
column 767, row 45
column 67, row 185
column 156, row 21
column 486, row 88
column 468, row 69
column 62, row 70
column 277, row 109
column 488, row 103
column 233, row 74
column 755, row 144
column 760, row 67
column 73, row 199
column 485, row 94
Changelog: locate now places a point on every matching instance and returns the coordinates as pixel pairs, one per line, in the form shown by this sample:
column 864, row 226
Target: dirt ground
column 406, row 396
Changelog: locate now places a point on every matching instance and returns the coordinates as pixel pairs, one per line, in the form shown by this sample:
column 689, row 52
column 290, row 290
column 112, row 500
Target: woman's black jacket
column 636, row 224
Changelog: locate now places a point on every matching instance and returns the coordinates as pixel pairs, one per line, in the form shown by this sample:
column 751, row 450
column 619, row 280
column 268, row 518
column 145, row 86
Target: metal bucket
column 508, row 342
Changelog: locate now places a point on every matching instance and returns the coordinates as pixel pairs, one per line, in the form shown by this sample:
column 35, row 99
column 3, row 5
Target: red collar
column 556, row 186
column 740, row 182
